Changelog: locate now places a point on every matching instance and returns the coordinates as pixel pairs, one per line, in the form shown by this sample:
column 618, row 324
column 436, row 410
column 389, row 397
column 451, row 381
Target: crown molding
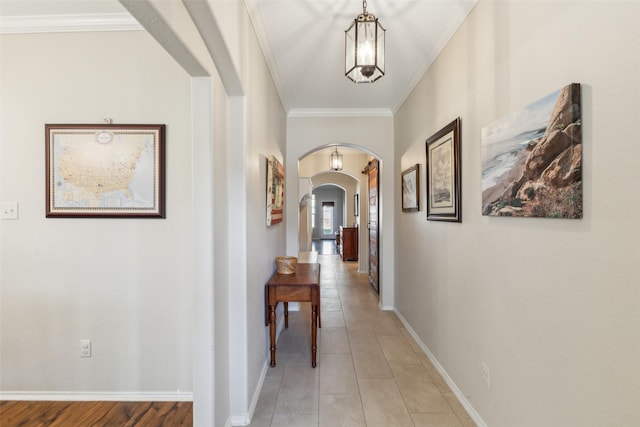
column 340, row 112
column 68, row 23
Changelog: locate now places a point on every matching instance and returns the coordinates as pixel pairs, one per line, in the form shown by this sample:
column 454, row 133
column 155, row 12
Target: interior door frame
column 370, row 254
column 331, row 203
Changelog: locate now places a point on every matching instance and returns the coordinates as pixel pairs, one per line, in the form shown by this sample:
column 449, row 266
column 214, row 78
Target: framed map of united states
column 105, row 170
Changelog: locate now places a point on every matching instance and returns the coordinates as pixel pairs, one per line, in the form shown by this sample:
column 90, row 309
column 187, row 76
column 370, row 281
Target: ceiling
column 303, row 42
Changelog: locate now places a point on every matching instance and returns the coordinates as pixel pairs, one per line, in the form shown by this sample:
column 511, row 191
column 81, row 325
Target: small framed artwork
column 275, row 191
column 105, row 171
column 444, row 174
column 411, row 189
column 356, row 205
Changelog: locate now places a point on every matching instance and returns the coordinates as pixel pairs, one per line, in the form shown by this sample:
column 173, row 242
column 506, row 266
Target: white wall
column 374, row 134
column 257, row 132
column 155, row 283
column 123, row 283
column 550, row 306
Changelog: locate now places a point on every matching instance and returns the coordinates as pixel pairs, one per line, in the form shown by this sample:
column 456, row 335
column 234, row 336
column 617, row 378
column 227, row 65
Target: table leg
column 272, row 333
column 286, row 315
column 314, row 334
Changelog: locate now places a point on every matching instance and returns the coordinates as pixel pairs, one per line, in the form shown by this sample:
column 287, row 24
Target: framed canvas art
column 532, row 159
column 444, row 174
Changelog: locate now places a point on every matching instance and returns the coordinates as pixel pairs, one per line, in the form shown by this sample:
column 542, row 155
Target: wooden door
column 372, row 224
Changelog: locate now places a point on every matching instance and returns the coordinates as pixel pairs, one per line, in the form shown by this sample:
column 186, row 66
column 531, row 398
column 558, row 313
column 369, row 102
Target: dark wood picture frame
column 105, row 170
column 410, row 189
column 356, row 205
column 275, row 191
column 444, row 174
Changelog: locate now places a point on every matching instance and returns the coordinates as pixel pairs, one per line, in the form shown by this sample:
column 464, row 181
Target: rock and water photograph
column 532, row 159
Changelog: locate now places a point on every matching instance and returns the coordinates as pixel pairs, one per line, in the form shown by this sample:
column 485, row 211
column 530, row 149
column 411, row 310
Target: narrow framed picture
column 444, row 174
column 411, row 189
column 105, row 171
column 275, row 191
column 356, row 205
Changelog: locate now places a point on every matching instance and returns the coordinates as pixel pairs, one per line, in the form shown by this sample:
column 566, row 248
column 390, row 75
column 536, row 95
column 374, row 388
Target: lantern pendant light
column 335, row 161
column 364, row 48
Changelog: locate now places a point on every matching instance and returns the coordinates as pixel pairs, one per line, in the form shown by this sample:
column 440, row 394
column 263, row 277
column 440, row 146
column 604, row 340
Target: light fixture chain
column 364, row 7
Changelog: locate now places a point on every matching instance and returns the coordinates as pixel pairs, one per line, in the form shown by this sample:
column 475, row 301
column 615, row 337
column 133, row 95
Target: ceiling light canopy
column 364, row 48
column 335, row 161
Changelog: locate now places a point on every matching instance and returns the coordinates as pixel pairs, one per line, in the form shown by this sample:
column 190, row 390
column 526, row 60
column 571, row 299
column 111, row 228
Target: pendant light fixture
column 335, row 161
column 364, row 48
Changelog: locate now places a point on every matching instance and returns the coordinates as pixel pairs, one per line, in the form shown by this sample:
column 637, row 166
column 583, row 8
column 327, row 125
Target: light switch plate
column 9, row 210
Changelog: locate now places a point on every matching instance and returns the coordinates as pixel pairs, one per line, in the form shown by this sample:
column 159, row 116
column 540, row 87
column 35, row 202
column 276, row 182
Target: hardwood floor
column 96, row 414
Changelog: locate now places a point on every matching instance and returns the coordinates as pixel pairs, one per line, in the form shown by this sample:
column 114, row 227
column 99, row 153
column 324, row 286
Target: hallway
column 370, row 371
column 324, row 247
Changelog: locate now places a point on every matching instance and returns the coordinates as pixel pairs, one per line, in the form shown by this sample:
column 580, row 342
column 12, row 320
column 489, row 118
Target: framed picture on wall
column 275, row 191
column 105, row 170
column 532, row 159
column 411, row 189
column 444, row 174
column 356, row 205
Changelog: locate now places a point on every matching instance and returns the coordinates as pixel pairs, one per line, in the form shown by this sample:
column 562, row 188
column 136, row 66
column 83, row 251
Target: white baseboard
column 97, row 396
column 245, row 419
column 452, row 385
column 240, row 420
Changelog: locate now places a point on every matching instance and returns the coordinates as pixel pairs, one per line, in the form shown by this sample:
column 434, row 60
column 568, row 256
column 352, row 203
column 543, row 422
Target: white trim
column 203, row 172
column 240, row 420
column 68, row 23
column 340, row 112
column 237, row 257
column 450, row 28
column 84, row 396
column 245, row 419
column 264, row 41
column 452, row 385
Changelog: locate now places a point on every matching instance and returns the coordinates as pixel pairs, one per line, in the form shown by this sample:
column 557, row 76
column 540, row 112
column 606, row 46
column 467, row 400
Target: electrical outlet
column 486, row 376
column 9, row 210
column 85, row 348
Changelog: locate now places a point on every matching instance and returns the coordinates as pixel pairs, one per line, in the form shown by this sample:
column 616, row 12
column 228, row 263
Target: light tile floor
column 370, row 370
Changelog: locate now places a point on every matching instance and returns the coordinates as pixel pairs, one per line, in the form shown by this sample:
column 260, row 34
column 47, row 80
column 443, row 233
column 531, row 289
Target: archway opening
column 343, row 195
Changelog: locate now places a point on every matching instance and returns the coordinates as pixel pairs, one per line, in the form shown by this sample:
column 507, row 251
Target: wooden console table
column 301, row 286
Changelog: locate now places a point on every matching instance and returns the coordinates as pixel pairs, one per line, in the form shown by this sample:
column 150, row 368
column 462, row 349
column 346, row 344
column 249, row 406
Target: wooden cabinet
column 349, row 243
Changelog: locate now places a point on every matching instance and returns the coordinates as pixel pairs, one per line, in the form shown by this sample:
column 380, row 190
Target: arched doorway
column 367, row 131
column 343, row 193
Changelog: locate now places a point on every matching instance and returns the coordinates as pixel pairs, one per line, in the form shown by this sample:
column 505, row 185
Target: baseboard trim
column 452, row 385
column 97, row 396
column 245, row 419
column 241, row 420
